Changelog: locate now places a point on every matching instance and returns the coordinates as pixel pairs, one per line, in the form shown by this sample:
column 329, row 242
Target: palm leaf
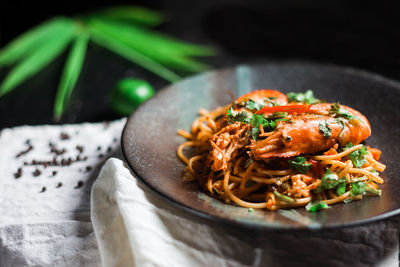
column 70, row 73
column 131, row 54
column 132, row 13
column 37, row 59
column 139, row 40
column 27, row 42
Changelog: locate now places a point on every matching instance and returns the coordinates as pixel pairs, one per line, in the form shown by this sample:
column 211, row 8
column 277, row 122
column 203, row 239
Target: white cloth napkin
column 134, row 227
column 45, row 216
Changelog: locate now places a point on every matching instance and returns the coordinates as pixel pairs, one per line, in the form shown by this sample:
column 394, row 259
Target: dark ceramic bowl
column 149, row 139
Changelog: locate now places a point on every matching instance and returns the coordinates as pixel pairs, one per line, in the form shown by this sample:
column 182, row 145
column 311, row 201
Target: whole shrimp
column 302, row 133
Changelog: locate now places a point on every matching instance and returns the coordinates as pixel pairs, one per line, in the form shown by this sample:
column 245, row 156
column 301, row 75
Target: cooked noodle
column 269, row 183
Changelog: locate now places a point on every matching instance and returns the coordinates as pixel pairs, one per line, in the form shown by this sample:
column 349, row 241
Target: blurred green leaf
column 37, row 59
column 127, row 52
column 32, row 39
column 70, row 73
column 156, row 46
column 132, row 13
column 118, row 29
column 172, row 45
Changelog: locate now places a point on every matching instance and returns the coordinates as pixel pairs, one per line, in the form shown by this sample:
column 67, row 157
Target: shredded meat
column 225, row 143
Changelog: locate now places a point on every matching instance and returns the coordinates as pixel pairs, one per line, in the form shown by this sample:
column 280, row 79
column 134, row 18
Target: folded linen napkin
column 135, row 227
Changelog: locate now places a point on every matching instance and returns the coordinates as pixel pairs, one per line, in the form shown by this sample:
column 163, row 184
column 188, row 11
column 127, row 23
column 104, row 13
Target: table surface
column 339, row 32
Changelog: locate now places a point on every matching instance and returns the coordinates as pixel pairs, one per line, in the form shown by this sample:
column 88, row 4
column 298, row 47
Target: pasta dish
column 268, row 150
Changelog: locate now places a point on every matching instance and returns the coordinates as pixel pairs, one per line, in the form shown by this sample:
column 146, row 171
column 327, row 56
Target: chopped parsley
column 243, row 116
column 324, row 128
column 251, row 210
column 357, row 188
column 316, row 205
column 341, row 188
column 299, row 164
column 307, row 97
column 338, row 111
column 252, row 105
column 360, row 188
column 358, row 156
column 330, row 180
column 256, row 121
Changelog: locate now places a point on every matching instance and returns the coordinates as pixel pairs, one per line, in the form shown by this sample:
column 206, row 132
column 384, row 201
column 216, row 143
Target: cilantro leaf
column 357, row 188
column 341, row 188
column 257, row 120
column 330, row 180
column 338, row 111
column 316, row 205
column 358, row 156
column 299, row 164
column 243, row 116
column 324, row 128
column 360, row 188
column 307, row 97
column 252, row 105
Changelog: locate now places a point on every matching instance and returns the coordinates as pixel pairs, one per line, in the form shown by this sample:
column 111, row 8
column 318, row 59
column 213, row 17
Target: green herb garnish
column 252, row 105
column 341, row 187
column 338, row 111
column 250, row 210
column 357, row 188
column 324, row 128
column 307, row 97
column 256, row 121
column 243, row 116
column 358, row 156
column 299, row 164
column 316, row 205
column 330, row 180
column 360, row 188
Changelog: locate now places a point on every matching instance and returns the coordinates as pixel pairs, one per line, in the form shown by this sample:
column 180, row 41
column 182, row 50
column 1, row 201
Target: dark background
column 359, row 34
